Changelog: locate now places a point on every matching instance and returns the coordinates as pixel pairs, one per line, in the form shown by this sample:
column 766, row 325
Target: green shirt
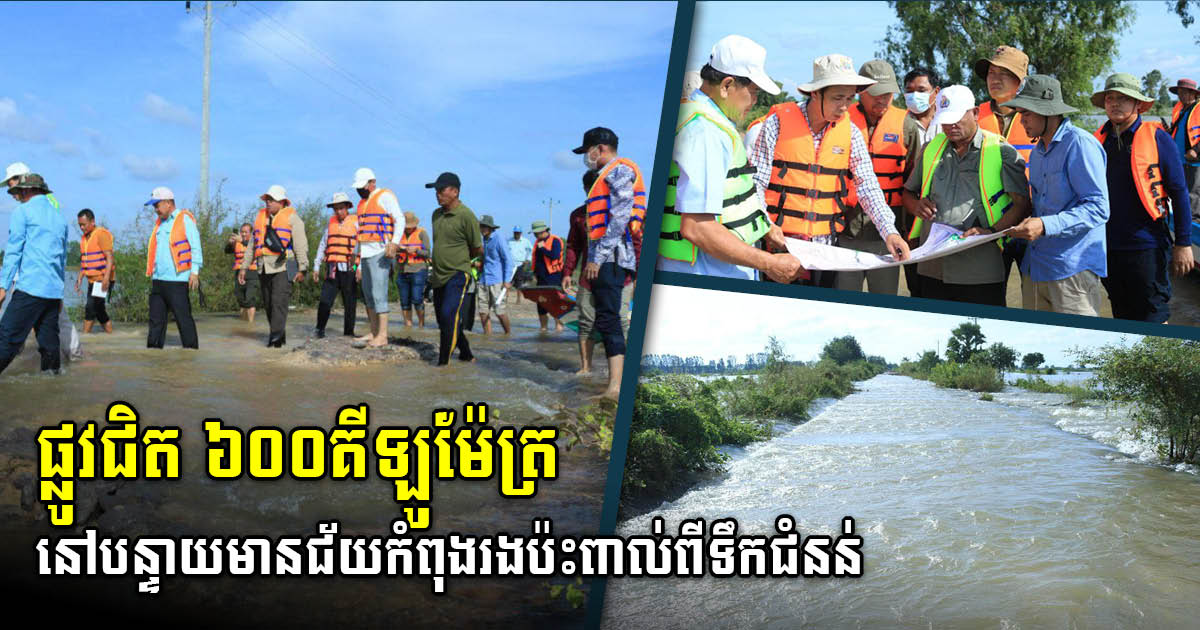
column 455, row 234
column 955, row 194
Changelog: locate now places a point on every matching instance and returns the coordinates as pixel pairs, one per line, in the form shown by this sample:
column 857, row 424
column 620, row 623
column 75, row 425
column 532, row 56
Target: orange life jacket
column 888, row 153
column 1175, row 112
column 375, row 225
column 1147, row 174
column 411, row 238
column 341, row 239
column 1191, row 126
column 181, row 250
column 1016, row 132
column 553, row 265
column 239, row 254
column 599, row 203
column 91, row 257
column 283, row 227
column 805, row 194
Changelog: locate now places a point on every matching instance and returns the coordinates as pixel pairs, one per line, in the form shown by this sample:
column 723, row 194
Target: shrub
column 976, row 377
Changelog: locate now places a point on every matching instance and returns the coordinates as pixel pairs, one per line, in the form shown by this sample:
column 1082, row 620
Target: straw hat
column 411, row 220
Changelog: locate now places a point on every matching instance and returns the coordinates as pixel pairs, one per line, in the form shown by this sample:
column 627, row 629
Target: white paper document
column 98, row 290
column 943, row 240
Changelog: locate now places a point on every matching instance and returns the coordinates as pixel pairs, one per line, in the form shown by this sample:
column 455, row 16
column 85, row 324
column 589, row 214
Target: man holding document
column 972, row 180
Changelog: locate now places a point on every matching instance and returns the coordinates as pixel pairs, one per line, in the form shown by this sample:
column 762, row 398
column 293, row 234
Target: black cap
column 597, row 135
column 444, row 180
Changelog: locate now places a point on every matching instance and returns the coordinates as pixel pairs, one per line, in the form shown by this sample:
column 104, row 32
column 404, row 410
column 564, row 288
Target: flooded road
column 1018, row 513
column 233, row 376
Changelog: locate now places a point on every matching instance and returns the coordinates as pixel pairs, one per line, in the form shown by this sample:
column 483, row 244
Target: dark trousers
column 606, row 291
column 991, row 294
column 1138, row 285
column 341, row 282
column 27, row 312
column 913, row 280
column 276, row 291
column 1014, row 253
column 95, row 310
column 448, row 303
column 171, row 296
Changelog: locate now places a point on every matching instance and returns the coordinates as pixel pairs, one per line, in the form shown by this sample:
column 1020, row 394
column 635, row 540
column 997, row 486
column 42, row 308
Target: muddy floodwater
column 524, row 378
column 1025, row 512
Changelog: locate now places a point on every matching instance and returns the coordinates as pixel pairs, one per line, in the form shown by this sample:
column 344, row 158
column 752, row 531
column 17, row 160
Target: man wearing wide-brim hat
column 1185, row 129
column 278, row 238
column 1065, row 258
column 495, row 268
column 549, row 254
column 412, row 270
column 804, row 201
column 32, row 275
column 1140, row 251
column 339, row 250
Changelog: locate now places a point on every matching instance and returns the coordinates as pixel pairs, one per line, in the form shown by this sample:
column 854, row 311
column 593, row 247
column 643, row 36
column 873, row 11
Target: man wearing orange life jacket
column 173, row 262
column 1185, row 129
column 240, row 245
column 413, row 271
column 1003, row 74
column 806, row 157
column 338, row 250
column 616, row 208
column 1144, row 171
column 549, row 253
column 894, row 140
column 96, row 264
column 279, row 241
column 380, row 226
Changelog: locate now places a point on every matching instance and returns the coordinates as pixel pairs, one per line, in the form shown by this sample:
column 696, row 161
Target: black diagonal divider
column 680, row 43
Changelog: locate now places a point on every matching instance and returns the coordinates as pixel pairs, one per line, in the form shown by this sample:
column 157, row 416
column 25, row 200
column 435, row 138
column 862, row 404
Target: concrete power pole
column 208, row 20
column 549, row 203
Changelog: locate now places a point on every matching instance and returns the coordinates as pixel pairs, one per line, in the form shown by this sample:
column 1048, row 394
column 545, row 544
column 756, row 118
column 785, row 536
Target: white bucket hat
column 338, row 197
column 362, row 176
column 15, row 169
column 834, row 70
column 742, row 57
column 275, row 192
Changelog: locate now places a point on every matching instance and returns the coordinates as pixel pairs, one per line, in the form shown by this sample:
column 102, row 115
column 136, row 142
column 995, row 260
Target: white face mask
column 588, row 162
column 917, row 102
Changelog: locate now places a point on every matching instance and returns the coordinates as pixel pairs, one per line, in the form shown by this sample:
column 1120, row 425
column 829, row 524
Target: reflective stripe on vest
column 181, row 251
column 988, row 121
column 239, row 253
column 599, row 203
column 741, row 211
column 92, row 263
column 888, row 151
column 991, row 186
column 1143, row 160
column 413, row 238
column 375, row 225
column 283, row 227
column 341, row 239
column 552, row 265
column 806, row 192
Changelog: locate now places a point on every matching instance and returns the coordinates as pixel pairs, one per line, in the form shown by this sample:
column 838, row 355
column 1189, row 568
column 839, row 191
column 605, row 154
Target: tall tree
column 843, row 350
column 1073, row 41
column 1184, row 11
column 1032, row 360
column 1154, row 84
column 1001, row 356
column 965, row 341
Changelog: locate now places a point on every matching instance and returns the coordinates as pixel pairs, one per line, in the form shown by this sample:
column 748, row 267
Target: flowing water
column 236, row 378
column 1018, row 513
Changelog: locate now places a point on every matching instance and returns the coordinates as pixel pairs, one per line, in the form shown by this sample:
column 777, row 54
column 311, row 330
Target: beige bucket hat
column 834, row 70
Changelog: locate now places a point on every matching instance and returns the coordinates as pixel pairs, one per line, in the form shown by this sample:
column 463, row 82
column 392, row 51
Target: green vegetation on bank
column 1077, row 392
column 679, row 421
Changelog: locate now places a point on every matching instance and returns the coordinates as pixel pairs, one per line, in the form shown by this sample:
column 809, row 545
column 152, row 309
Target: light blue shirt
column 704, row 153
column 164, row 266
column 521, row 250
column 497, row 261
column 1070, row 195
column 36, row 253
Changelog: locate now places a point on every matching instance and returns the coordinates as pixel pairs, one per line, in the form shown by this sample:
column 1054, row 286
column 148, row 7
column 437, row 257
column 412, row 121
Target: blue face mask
column 917, row 102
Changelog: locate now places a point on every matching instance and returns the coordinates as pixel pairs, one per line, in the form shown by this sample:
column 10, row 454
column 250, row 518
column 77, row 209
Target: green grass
column 1078, row 393
column 976, row 377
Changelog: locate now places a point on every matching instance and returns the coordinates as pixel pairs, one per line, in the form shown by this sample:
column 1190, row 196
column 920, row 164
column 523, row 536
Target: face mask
column 917, row 102
column 588, row 162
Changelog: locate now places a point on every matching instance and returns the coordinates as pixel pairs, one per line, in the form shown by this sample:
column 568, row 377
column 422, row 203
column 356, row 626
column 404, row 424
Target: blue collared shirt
column 497, row 261
column 164, row 266
column 520, row 249
column 1070, row 196
column 704, row 153
column 36, row 253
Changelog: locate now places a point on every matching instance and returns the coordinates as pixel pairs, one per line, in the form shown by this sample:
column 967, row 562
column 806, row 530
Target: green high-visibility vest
column 991, row 187
column 741, row 210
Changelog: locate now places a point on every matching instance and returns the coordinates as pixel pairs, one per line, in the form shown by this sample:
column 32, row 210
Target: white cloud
column 93, row 171
column 567, row 161
column 155, row 169
column 65, row 148
column 19, row 126
column 160, row 108
column 99, row 141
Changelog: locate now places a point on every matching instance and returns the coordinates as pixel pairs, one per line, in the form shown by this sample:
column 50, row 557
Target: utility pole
column 549, row 203
column 208, row 20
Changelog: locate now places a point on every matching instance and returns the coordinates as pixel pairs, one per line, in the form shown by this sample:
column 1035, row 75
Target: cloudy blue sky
column 685, row 322
column 795, row 33
column 105, row 100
